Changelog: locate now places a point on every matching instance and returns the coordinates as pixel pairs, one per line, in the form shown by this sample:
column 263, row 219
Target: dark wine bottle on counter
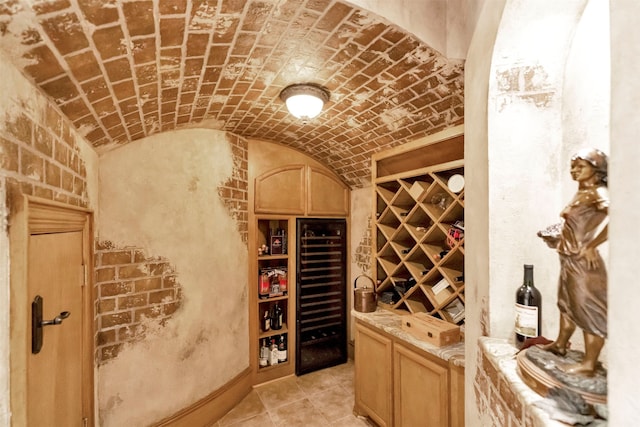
column 528, row 309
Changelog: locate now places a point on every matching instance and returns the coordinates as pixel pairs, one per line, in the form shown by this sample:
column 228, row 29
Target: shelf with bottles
column 434, row 245
column 418, row 223
column 388, row 258
column 418, row 264
column 419, row 238
column 402, row 204
column 327, row 332
column 272, row 238
column 403, row 243
column 273, row 351
column 272, row 315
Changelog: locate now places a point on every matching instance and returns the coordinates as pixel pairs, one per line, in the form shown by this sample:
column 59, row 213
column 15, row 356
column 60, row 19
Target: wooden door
column 50, row 256
column 54, row 375
column 373, row 376
column 421, row 390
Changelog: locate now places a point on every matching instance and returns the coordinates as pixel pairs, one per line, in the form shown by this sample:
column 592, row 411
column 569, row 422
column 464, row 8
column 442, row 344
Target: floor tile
column 334, row 403
column 298, row 414
column 322, row 398
column 279, row 393
column 249, row 407
column 316, row 382
column 262, row 420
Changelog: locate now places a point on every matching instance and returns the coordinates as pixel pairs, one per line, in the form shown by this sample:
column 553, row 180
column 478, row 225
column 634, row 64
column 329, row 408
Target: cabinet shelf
column 419, row 232
column 272, row 367
column 274, row 332
column 272, row 257
column 272, row 299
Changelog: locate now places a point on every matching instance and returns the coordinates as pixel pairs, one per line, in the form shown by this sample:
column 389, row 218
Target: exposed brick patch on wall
column 133, row 293
column 495, row 400
column 235, row 191
column 39, row 156
column 362, row 256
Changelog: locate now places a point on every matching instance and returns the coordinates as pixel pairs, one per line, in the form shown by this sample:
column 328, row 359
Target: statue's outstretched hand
column 591, row 255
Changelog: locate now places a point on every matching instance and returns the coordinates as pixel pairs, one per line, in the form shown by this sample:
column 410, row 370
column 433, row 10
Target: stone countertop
column 391, row 323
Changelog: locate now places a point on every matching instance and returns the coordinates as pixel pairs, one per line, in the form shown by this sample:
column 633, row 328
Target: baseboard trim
column 211, row 408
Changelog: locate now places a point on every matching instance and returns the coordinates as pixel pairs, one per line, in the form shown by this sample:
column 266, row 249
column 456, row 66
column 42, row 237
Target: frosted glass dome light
column 304, row 101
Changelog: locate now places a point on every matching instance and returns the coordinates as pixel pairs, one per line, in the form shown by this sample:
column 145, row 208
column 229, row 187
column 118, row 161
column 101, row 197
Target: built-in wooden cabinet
column 421, row 389
column 400, row 385
column 419, row 226
column 373, row 375
column 284, row 185
column 300, row 189
column 274, row 291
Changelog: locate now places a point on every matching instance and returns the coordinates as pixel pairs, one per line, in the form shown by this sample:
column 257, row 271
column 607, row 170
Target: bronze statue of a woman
column 582, row 286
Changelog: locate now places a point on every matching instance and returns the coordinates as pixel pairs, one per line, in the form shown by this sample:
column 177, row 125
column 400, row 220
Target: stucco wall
column 360, row 255
column 161, row 194
column 624, row 330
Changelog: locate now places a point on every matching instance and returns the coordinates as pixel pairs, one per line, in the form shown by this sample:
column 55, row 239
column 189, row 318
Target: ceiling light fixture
column 305, row 100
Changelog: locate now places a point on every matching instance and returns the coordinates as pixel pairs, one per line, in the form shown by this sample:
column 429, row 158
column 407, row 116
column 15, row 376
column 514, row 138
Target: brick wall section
column 39, row 156
column 235, row 191
column 496, row 399
column 134, row 292
column 362, row 256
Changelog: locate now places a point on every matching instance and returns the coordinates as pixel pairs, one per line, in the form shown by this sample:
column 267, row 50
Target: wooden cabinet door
column 373, row 377
column 281, row 191
column 326, row 195
column 421, row 390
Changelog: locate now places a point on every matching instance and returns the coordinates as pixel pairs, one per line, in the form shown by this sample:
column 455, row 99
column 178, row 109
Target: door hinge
column 86, row 276
column 85, row 422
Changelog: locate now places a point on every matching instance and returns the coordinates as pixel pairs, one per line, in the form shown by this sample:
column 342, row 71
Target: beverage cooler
column 321, row 297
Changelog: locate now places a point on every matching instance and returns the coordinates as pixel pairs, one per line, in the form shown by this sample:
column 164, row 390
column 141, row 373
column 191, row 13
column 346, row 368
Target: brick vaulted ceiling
column 122, row 70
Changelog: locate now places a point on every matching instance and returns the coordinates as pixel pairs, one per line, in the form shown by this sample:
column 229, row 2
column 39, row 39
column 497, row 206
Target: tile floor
column 322, row 398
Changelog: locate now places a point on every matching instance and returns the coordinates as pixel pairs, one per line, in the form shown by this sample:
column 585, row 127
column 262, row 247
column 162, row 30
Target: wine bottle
column 264, row 353
column 267, row 321
column 276, row 317
column 528, row 309
column 273, row 352
column 282, row 350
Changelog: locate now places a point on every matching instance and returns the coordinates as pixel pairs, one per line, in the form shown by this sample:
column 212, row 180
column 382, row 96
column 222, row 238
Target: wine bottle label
column 273, row 359
column 527, row 320
column 282, row 356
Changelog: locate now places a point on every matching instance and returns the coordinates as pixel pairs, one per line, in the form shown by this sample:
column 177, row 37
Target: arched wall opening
column 537, row 90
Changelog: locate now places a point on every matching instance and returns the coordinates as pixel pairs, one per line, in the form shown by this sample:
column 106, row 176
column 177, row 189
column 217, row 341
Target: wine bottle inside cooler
column 528, row 309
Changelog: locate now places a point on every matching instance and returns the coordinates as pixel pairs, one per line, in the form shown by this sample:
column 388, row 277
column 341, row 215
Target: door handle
column 56, row 320
column 37, row 323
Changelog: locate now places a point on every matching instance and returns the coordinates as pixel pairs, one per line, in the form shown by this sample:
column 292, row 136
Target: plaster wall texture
column 624, row 330
column 161, row 193
column 476, row 148
column 526, row 147
column 360, row 238
column 4, row 311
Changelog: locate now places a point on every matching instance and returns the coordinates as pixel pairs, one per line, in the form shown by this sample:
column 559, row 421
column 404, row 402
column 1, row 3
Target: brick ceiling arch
column 124, row 70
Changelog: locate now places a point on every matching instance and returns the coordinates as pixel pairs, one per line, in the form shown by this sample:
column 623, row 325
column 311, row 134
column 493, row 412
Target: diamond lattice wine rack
column 419, row 226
